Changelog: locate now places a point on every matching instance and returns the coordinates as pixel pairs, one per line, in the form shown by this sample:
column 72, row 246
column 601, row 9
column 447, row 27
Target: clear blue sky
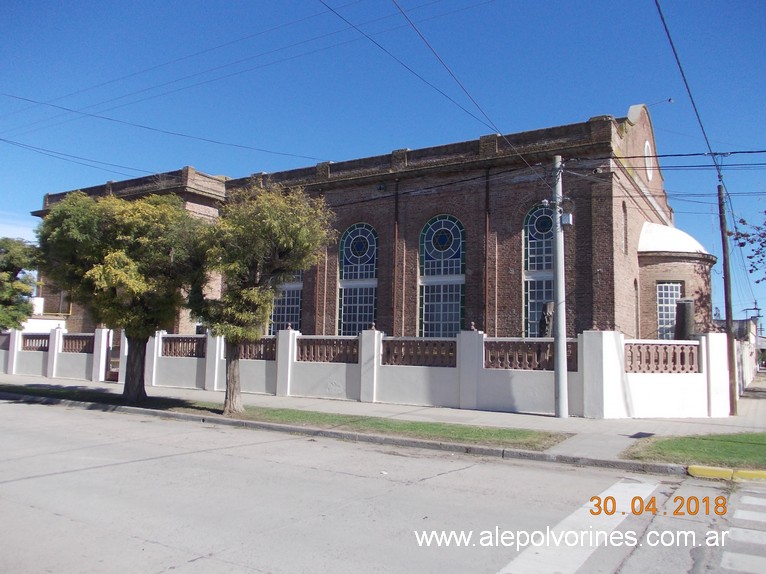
column 295, row 84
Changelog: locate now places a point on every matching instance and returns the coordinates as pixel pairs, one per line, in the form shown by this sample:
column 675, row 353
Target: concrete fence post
column 470, row 362
column 14, row 345
column 153, row 352
column 287, row 344
column 717, row 373
column 370, row 348
column 605, row 386
column 55, row 342
column 100, row 355
column 123, row 366
column 213, row 355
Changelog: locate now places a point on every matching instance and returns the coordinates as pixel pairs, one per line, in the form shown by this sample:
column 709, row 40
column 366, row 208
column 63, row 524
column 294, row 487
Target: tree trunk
column 134, row 391
column 232, row 403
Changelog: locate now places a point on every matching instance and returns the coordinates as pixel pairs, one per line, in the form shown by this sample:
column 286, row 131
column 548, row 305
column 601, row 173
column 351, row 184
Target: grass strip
column 444, row 432
column 739, row 451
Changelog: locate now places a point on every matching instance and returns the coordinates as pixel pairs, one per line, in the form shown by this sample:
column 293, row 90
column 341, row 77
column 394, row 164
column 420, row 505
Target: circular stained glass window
column 442, row 238
column 359, row 245
column 543, row 224
column 540, row 223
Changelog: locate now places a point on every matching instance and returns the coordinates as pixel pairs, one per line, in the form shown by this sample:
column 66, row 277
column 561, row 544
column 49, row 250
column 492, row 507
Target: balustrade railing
column 183, row 346
column 420, row 352
column 262, row 350
column 662, row 357
column 77, row 343
column 328, row 349
column 35, row 342
column 526, row 354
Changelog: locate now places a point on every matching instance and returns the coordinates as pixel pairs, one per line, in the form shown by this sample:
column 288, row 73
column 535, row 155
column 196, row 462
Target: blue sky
column 293, row 84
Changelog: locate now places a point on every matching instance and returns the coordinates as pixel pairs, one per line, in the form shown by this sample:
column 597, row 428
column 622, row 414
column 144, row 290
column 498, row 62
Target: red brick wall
column 693, row 272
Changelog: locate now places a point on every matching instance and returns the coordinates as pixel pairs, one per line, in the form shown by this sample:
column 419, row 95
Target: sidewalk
column 592, row 439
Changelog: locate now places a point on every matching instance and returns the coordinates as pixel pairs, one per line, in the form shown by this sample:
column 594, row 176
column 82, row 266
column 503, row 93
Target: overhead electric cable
column 238, row 72
column 73, row 158
column 492, row 124
column 177, row 60
column 688, row 88
column 159, row 130
column 404, row 65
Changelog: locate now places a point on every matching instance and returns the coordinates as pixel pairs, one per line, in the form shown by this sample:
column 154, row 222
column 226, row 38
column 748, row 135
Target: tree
column 126, row 261
column 753, row 236
column 16, row 283
column 260, row 240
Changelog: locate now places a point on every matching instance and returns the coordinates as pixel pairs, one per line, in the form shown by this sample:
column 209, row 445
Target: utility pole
column 559, row 297
column 733, row 387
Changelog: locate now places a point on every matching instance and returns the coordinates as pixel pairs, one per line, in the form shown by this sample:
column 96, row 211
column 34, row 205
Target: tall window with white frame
column 442, row 277
column 358, row 259
column 668, row 293
column 538, row 267
column 287, row 306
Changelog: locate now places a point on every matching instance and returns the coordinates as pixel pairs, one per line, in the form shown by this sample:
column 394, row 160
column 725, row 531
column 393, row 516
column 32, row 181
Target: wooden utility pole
column 733, row 387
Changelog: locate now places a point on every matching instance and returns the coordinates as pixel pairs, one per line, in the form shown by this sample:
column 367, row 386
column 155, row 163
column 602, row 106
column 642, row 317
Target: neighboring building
column 201, row 193
column 432, row 241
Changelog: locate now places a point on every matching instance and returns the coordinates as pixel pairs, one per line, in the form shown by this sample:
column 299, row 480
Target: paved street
column 88, row 491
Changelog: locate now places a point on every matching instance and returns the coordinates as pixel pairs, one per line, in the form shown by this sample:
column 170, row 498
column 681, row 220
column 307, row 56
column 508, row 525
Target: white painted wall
column 255, row 377
column 40, row 325
column 406, row 385
column 74, row 366
column 32, row 363
column 185, row 372
column 325, row 380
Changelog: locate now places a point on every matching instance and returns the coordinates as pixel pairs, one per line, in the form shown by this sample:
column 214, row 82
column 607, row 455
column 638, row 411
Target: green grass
column 443, row 432
column 740, row 451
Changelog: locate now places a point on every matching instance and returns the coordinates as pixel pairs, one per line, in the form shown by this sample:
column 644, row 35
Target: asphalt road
column 87, row 491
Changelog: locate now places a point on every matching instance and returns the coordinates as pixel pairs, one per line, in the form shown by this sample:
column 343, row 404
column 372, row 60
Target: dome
column 657, row 237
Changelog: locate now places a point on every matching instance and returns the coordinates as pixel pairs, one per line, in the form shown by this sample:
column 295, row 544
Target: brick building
column 436, row 239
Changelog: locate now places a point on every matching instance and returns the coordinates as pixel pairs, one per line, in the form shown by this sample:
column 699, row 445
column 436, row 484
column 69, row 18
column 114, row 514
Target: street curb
column 461, row 448
column 700, row 471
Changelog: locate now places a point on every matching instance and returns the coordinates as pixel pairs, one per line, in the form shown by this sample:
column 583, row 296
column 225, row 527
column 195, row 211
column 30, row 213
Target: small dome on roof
column 657, row 237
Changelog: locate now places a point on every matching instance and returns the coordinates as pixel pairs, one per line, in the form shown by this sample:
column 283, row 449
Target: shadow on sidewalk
column 102, row 398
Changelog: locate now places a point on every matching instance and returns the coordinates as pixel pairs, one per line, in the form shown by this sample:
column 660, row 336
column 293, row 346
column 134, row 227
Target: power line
column 715, row 162
column 493, row 125
column 688, row 88
column 159, row 130
column 73, row 158
column 175, row 60
column 239, row 72
column 401, row 63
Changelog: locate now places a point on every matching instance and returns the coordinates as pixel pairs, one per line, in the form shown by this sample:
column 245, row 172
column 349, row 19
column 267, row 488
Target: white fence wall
column 51, row 355
column 600, row 387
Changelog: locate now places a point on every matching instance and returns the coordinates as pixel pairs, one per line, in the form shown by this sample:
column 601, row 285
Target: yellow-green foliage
column 16, row 256
column 261, row 239
column 126, row 260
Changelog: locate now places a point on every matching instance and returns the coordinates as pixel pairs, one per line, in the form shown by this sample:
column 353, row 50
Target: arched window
column 538, row 267
column 358, row 259
column 442, row 277
column 287, row 306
